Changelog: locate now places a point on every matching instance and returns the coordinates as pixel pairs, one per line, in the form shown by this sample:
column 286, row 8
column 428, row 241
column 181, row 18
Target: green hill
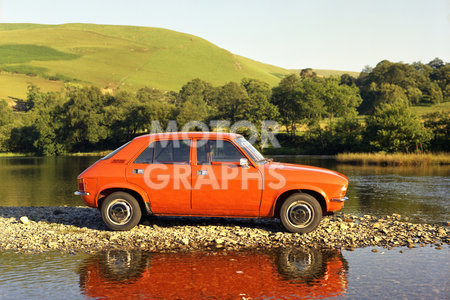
column 116, row 56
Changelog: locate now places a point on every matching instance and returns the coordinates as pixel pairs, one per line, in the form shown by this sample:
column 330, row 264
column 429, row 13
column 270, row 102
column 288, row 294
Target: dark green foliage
column 416, row 82
column 394, row 128
column 287, row 97
column 259, row 94
column 196, row 102
column 6, row 121
column 233, row 103
column 346, row 136
column 83, row 117
column 348, row 79
column 439, row 124
column 441, row 76
column 308, row 72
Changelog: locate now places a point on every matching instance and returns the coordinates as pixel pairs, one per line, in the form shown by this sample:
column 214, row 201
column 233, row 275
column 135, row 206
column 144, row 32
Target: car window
column 165, row 152
column 249, row 149
column 146, row 157
column 217, row 151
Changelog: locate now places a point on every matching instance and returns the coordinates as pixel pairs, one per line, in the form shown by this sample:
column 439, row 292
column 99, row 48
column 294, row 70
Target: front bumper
column 81, row 193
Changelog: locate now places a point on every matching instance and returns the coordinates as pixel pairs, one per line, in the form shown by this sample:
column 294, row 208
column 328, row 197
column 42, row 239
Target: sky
column 293, row 34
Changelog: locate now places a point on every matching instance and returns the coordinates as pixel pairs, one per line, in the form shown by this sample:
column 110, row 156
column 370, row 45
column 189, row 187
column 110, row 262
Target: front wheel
column 300, row 213
column 121, row 211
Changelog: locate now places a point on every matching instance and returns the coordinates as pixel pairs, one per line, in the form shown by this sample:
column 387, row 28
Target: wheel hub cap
column 300, row 214
column 120, row 212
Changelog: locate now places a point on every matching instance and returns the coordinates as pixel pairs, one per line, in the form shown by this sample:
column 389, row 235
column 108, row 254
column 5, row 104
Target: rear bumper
column 81, row 193
column 343, row 199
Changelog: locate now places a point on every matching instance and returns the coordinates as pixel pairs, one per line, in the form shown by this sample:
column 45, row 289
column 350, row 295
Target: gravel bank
column 80, row 229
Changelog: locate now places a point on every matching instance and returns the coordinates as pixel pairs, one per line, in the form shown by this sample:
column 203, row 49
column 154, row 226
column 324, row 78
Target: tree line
column 318, row 115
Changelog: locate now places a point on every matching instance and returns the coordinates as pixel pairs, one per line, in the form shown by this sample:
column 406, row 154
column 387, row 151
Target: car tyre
column 301, row 265
column 300, row 213
column 121, row 211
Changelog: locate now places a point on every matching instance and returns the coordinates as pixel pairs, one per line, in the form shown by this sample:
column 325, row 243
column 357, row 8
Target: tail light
column 81, row 184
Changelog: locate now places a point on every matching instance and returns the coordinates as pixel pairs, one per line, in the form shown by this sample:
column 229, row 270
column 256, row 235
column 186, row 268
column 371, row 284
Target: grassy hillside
column 15, row 85
column 116, row 56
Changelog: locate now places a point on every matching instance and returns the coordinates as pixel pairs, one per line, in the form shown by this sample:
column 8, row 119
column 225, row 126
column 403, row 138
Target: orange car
column 285, row 274
column 207, row 174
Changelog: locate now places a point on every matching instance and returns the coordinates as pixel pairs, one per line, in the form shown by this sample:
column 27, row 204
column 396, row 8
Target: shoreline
column 80, row 229
column 394, row 159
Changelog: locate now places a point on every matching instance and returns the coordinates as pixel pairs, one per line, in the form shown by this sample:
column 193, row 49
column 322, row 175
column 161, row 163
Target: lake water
column 418, row 193
column 420, row 273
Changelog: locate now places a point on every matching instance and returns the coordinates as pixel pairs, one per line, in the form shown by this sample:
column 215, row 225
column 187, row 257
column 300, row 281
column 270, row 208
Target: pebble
column 24, row 220
column 80, row 229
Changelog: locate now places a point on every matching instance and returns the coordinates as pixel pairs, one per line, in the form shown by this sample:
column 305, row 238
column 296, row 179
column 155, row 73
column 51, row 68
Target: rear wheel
column 121, row 211
column 300, row 213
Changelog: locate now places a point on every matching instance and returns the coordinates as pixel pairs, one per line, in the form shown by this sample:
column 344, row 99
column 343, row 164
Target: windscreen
column 249, row 149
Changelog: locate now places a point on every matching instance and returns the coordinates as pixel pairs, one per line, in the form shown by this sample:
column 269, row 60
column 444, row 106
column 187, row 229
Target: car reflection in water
column 118, row 274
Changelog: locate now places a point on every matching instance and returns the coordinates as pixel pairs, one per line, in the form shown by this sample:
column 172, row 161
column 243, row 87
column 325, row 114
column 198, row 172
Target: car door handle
column 138, row 171
column 202, row 172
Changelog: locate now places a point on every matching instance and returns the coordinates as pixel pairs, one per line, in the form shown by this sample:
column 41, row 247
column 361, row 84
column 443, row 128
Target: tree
column 83, row 117
column 194, row 109
column 308, row 72
column 393, row 127
column 233, row 103
column 48, row 125
column 340, row 100
column 436, row 63
column 154, row 105
column 6, row 121
column 439, row 124
column 121, row 117
column 346, row 136
column 196, row 101
column 431, row 93
column 259, row 93
column 198, row 89
column 414, row 81
column 441, row 76
column 348, row 79
column 287, row 97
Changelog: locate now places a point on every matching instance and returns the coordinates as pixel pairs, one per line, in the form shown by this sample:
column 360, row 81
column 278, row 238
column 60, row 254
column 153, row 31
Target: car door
column 163, row 169
column 220, row 186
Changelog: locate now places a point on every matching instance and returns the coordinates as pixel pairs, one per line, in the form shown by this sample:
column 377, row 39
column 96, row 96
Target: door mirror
column 244, row 163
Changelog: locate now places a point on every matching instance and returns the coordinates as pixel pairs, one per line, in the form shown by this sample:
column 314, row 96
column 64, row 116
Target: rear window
column 166, row 152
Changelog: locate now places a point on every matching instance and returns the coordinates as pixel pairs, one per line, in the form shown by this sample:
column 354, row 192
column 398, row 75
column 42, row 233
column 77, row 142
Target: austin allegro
column 207, row 174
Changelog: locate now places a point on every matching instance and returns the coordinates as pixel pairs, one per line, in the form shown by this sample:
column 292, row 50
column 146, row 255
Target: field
column 117, row 56
column 15, row 85
column 423, row 110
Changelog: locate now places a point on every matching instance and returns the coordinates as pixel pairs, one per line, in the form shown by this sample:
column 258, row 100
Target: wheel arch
column 283, row 196
column 141, row 197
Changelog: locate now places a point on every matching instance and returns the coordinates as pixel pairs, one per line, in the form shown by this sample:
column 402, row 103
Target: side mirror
column 244, row 163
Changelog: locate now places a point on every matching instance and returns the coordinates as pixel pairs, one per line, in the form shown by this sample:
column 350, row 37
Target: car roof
column 193, row 134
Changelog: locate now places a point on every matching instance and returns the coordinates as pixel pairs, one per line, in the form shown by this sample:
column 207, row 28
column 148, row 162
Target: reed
column 394, row 159
column 13, row 154
column 93, row 153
